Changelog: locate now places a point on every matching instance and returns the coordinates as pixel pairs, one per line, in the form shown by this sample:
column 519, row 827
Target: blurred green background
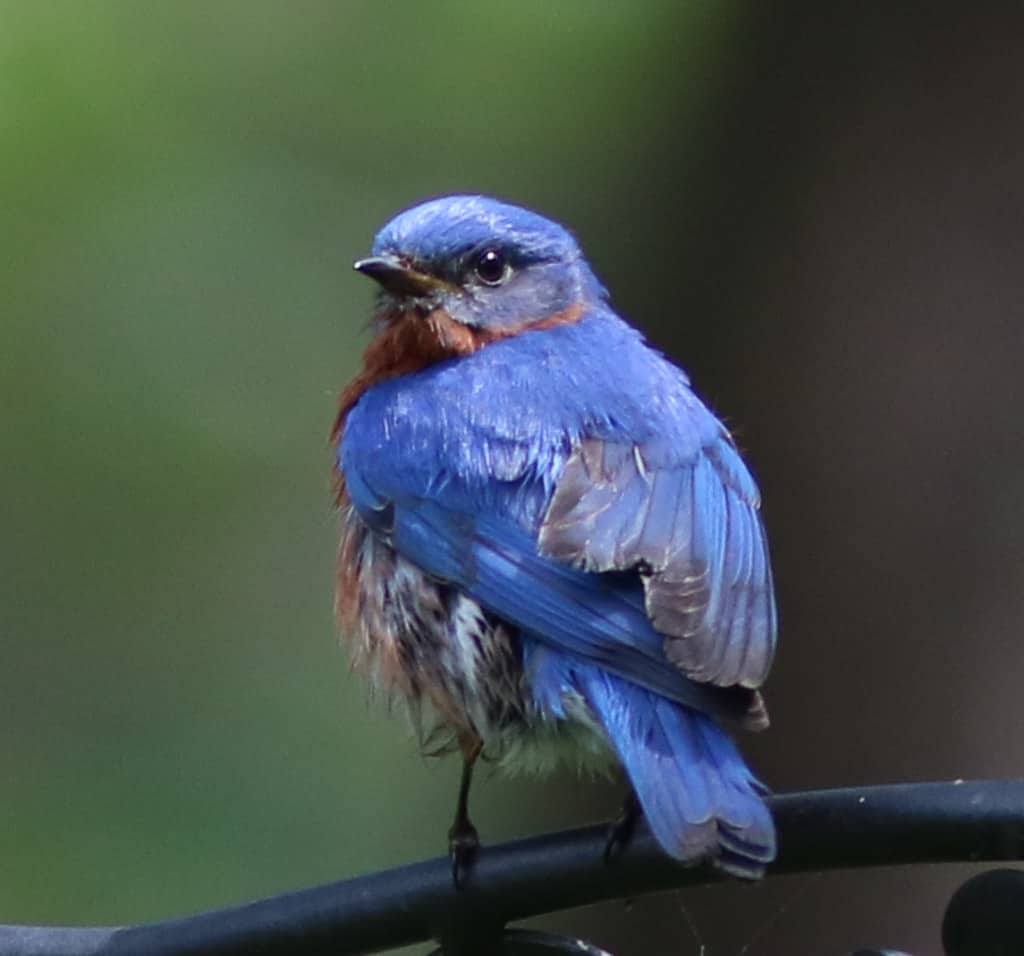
column 183, row 188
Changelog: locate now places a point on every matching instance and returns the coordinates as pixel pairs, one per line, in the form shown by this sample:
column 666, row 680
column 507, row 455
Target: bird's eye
column 491, row 268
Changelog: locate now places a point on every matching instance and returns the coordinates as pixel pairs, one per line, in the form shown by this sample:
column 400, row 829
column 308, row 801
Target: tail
column 698, row 796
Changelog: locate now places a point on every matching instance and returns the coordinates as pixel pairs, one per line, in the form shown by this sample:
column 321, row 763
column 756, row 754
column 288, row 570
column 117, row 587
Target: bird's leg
column 620, row 830
column 463, row 840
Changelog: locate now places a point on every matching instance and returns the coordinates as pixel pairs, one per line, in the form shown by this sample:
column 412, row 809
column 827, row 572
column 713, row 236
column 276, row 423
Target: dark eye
column 491, row 268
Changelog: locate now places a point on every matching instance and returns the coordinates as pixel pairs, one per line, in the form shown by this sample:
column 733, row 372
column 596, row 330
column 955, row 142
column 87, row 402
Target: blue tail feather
column 698, row 796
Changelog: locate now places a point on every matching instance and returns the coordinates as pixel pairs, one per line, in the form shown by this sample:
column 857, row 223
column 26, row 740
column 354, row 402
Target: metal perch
column 819, row 830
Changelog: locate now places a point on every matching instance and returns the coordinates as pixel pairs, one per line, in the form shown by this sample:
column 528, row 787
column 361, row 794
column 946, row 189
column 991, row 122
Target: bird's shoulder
column 595, row 377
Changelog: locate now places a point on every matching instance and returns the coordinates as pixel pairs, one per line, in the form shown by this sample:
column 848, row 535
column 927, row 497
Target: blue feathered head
column 487, row 264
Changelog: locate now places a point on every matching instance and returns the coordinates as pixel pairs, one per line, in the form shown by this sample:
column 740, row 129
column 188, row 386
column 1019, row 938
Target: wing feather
column 690, row 526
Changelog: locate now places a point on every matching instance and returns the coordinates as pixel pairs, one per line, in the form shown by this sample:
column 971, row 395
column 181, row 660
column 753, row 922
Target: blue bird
column 550, row 547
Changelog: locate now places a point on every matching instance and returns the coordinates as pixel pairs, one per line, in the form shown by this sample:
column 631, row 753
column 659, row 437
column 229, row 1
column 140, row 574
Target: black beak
column 395, row 276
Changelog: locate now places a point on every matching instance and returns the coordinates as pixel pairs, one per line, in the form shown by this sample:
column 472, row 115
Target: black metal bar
column 818, row 830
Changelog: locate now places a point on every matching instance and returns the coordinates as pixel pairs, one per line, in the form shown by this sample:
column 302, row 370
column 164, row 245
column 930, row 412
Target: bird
column 550, row 549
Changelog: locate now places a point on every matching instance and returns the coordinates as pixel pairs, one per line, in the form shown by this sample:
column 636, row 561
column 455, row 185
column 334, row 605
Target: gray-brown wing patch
column 692, row 532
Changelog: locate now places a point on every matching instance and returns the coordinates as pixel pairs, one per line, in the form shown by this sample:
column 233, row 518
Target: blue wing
column 599, row 618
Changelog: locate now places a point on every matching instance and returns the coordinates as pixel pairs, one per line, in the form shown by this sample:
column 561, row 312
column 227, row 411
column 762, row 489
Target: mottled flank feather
column 423, row 641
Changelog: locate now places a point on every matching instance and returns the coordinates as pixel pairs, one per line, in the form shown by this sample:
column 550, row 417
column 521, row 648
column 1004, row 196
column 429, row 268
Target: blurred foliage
column 183, row 188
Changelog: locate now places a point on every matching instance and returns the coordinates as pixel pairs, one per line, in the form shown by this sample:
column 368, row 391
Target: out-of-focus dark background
column 819, row 213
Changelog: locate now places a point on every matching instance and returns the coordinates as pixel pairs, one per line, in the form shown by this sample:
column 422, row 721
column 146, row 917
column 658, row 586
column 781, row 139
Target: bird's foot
column 463, row 842
column 620, row 830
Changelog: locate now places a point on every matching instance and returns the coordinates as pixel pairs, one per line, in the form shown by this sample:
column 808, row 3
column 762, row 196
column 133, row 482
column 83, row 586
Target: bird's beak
column 396, row 276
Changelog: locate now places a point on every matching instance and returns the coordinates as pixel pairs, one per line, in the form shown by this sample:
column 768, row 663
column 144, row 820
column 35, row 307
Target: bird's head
column 490, row 268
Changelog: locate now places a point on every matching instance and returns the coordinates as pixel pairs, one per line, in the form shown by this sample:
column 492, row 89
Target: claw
column 463, row 842
column 620, row 830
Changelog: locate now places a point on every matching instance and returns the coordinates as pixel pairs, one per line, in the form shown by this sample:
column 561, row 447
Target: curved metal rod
column 528, row 942
column 818, row 830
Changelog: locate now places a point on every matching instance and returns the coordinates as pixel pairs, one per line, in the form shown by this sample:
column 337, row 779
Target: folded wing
column 689, row 524
column 597, row 617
